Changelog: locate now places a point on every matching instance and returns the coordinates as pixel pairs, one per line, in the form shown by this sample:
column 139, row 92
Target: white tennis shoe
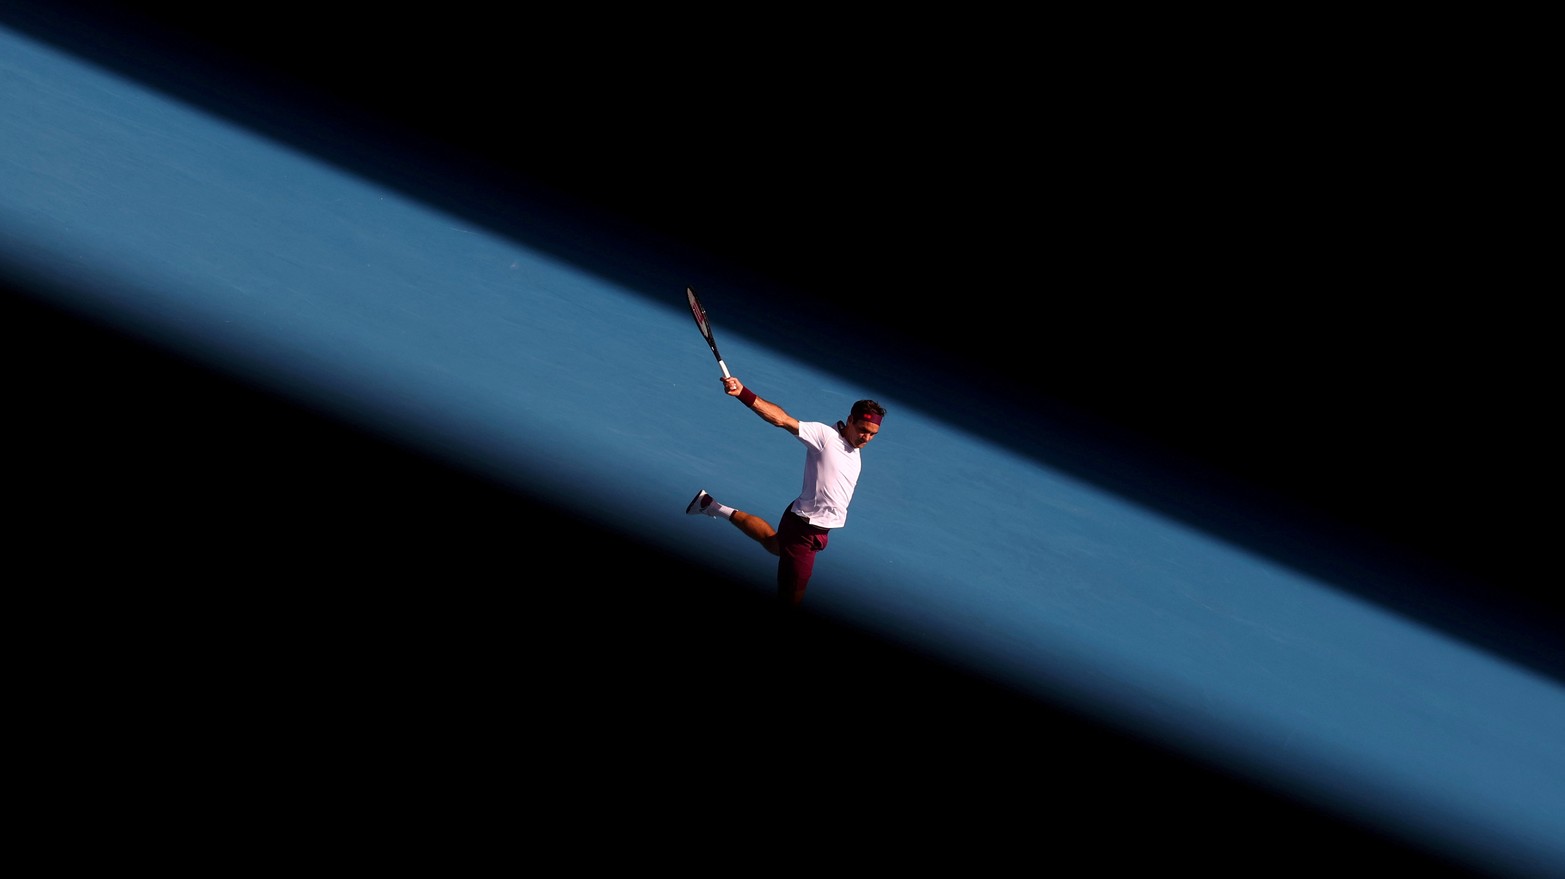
column 699, row 504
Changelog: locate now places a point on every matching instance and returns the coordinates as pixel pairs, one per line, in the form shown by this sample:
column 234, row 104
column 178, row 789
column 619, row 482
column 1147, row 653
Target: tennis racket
column 704, row 327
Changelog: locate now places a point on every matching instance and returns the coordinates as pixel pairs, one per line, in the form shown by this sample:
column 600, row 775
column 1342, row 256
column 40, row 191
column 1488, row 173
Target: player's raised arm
column 770, row 412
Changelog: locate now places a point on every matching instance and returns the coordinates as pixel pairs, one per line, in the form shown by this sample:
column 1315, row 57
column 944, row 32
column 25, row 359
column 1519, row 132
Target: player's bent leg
column 757, row 529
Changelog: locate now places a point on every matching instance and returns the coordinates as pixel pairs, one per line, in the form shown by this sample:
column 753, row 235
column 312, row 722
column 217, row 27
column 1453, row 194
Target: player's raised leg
column 753, row 527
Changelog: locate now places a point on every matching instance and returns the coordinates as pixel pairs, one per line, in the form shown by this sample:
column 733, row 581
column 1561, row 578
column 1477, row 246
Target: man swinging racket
column 831, row 472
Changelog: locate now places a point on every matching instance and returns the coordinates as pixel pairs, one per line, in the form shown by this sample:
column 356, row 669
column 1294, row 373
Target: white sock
column 718, row 511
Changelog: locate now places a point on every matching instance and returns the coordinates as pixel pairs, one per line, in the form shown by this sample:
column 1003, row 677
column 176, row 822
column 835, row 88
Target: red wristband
column 747, row 397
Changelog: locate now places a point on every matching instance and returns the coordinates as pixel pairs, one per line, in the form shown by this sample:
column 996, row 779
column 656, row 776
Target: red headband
column 870, row 417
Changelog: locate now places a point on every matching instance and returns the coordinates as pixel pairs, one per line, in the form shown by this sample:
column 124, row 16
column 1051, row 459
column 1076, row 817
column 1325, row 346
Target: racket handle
column 725, row 369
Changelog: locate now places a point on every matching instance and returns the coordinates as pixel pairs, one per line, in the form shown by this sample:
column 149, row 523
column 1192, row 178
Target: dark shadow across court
column 381, row 660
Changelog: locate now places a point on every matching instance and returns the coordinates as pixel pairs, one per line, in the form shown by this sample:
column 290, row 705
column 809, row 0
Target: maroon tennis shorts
column 797, row 543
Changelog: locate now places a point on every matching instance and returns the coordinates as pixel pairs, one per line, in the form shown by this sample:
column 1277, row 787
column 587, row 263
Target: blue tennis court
column 594, row 393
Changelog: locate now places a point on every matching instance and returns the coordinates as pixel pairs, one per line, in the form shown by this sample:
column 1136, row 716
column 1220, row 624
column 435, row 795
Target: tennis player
column 831, row 472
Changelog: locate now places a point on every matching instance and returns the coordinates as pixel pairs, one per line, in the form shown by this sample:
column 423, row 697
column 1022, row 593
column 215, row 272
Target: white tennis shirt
column 831, row 472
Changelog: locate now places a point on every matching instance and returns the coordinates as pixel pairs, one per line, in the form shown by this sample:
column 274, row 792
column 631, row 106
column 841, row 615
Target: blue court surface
column 592, row 393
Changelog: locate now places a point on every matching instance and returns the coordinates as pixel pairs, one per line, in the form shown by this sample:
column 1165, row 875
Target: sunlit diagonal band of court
column 298, row 275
